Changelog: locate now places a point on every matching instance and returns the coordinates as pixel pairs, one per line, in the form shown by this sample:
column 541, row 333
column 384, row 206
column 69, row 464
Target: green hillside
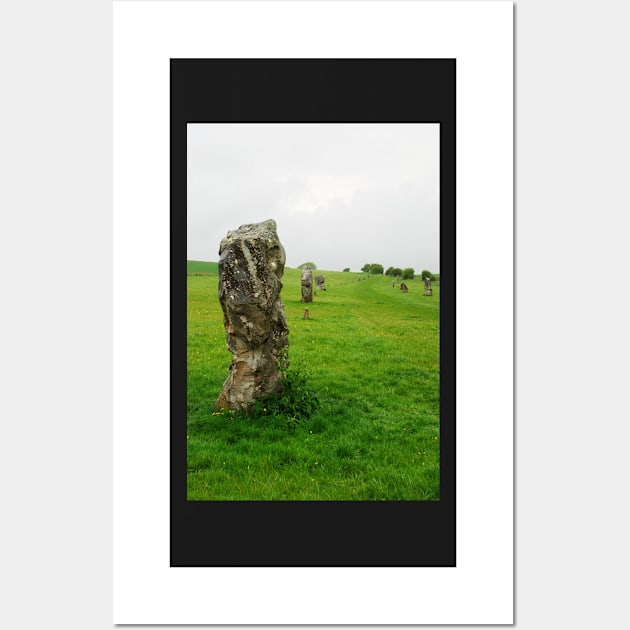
column 197, row 266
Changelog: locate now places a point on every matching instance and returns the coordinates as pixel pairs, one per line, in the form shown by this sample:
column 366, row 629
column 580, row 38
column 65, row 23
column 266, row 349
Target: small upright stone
column 320, row 283
column 251, row 265
column 307, row 285
column 427, row 287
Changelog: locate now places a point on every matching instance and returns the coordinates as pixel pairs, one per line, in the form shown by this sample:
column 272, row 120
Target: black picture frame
column 317, row 533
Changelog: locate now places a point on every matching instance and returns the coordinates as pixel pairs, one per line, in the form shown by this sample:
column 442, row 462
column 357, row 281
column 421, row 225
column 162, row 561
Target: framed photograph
column 364, row 150
column 381, row 472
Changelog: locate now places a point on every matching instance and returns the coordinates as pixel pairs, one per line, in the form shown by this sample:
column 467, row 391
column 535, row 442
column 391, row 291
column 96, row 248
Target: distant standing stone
column 320, row 283
column 307, row 285
column 251, row 264
column 403, row 287
column 427, row 287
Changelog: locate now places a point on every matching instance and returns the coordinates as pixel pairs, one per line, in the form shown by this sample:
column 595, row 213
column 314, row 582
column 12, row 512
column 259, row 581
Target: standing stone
column 403, row 287
column 251, row 264
column 307, row 285
column 320, row 283
column 427, row 287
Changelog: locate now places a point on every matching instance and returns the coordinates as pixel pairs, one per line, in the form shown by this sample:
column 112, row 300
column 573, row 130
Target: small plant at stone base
column 225, row 413
column 294, row 402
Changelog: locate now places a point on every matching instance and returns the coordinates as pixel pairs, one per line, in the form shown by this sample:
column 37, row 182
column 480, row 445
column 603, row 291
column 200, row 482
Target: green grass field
column 372, row 356
column 197, row 266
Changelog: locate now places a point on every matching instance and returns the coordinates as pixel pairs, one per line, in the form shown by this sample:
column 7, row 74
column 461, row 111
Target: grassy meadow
column 371, row 354
column 199, row 267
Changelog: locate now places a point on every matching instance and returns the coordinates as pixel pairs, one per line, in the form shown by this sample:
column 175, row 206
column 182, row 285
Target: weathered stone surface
column 427, row 287
column 403, row 287
column 251, row 264
column 320, row 283
column 307, row 285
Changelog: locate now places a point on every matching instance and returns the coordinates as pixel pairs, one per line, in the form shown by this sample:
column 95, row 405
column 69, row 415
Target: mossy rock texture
column 251, row 265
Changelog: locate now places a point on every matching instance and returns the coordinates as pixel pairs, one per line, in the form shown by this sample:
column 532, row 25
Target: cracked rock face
column 320, row 283
column 251, row 264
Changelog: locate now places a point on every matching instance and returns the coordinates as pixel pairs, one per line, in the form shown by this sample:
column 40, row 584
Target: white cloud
column 341, row 194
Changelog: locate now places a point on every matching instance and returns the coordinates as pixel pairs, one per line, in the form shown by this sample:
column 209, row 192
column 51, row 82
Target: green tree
column 347, row 269
column 309, row 265
column 376, row 268
column 426, row 274
column 366, row 268
column 389, row 271
column 408, row 273
column 397, row 271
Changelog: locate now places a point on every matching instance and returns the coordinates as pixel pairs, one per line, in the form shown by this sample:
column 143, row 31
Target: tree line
column 408, row 273
column 375, row 268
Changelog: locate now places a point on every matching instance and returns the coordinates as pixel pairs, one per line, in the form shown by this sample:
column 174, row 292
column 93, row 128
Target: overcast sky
column 342, row 195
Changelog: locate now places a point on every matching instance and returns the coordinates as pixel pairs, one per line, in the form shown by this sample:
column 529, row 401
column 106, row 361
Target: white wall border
column 479, row 590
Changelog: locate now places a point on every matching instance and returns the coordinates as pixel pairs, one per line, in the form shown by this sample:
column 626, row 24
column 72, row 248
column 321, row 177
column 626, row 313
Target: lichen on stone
column 251, row 265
